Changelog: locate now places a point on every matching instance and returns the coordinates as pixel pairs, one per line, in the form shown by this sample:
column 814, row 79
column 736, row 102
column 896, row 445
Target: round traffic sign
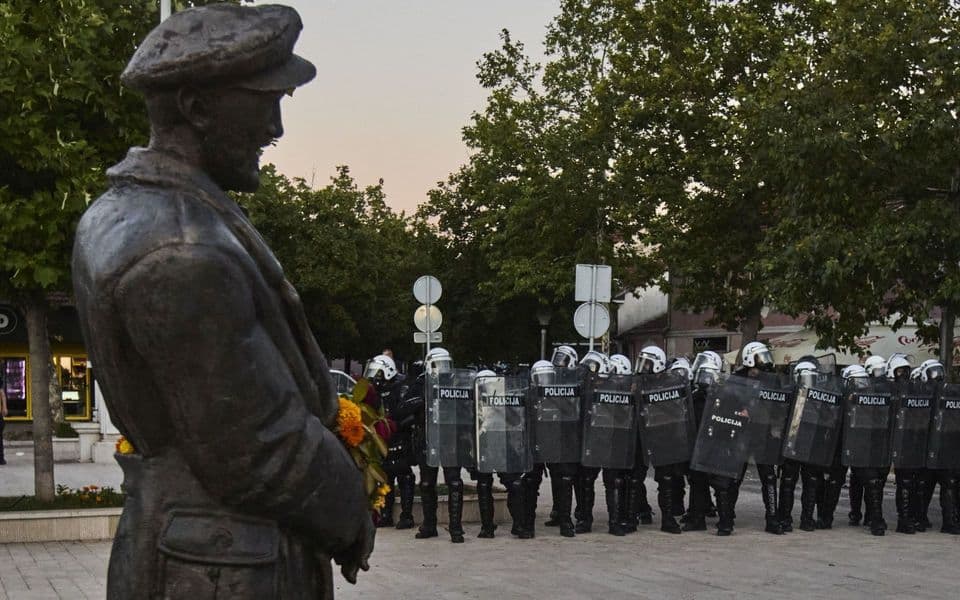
column 427, row 289
column 591, row 320
column 426, row 320
column 8, row 320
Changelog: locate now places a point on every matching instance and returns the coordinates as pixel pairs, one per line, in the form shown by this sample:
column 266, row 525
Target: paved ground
column 844, row 562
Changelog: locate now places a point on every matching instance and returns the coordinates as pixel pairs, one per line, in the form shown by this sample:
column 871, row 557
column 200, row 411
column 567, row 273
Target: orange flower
column 349, row 423
column 123, row 446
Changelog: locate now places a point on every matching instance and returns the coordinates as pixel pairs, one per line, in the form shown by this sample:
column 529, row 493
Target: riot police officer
column 943, row 457
column 438, row 363
column 909, row 444
column 875, row 367
column 756, row 358
column 382, row 372
column 706, row 371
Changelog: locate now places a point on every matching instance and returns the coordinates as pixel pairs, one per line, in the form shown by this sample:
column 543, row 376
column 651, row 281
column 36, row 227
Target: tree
column 351, row 258
column 64, row 118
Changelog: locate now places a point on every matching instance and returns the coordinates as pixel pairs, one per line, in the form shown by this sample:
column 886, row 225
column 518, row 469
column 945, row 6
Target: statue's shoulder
column 132, row 220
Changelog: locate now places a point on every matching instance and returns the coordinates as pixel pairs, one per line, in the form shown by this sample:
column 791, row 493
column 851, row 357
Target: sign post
column 593, row 284
column 427, row 318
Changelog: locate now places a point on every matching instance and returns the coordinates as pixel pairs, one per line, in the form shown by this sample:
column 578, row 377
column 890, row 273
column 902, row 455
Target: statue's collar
column 154, row 167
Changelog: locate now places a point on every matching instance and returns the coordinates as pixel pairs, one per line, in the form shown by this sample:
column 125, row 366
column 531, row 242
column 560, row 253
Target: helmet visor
column 373, row 370
column 807, row 378
column 763, row 359
column 544, row 377
column 876, row 370
column 439, row 366
column 706, row 376
column 935, row 373
column 562, row 359
column 646, row 363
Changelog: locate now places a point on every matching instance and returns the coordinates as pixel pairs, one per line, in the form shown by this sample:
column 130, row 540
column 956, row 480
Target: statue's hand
column 356, row 557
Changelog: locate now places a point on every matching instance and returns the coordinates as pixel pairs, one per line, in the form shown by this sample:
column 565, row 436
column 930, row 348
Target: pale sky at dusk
column 395, row 84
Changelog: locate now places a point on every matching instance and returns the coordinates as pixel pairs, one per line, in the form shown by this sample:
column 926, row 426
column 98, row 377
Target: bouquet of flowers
column 363, row 428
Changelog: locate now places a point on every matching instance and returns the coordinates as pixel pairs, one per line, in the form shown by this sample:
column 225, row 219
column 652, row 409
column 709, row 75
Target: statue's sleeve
column 238, row 415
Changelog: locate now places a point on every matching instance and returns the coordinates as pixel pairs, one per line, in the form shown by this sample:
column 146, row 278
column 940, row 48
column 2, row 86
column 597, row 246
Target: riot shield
column 667, row 429
column 609, row 422
column 911, row 425
column 723, row 440
column 555, row 419
column 451, row 423
column 867, row 423
column 503, row 439
column 771, row 397
column 943, row 447
column 813, row 429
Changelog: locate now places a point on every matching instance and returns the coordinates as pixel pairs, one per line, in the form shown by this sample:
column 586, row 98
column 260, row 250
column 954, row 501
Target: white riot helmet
column 915, row 374
column 707, row 367
column 596, row 362
column 898, row 367
column 486, row 373
column 380, row 365
column 681, row 366
column 438, row 361
column 876, row 366
column 805, row 373
column 543, row 373
column 853, row 372
column 651, row 360
column 620, row 364
column 757, row 355
column 932, row 370
column 564, row 357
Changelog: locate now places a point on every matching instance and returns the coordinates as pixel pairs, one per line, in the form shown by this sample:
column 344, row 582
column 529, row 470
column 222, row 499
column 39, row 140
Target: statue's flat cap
column 244, row 46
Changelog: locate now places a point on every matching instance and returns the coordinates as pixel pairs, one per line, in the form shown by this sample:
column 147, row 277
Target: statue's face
column 241, row 123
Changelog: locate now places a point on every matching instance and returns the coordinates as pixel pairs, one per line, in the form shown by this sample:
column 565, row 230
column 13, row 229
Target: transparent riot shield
column 667, row 429
column 503, row 439
column 609, row 422
column 911, row 425
column 723, row 440
column 813, row 429
column 451, row 422
column 771, row 397
column 867, row 424
column 555, row 419
column 943, row 447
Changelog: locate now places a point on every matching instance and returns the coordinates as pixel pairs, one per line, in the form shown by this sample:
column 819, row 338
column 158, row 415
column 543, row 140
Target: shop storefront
column 70, row 364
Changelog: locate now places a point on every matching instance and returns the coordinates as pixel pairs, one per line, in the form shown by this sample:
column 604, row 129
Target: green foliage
column 89, row 496
column 351, row 258
column 65, row 430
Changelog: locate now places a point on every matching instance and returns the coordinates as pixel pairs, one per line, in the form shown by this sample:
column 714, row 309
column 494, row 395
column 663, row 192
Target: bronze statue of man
column 237, row 488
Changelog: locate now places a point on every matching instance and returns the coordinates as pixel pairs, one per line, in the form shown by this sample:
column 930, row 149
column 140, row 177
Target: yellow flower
column 383, row 489
column 379, row 503
column 349, row 423
column 124, row 447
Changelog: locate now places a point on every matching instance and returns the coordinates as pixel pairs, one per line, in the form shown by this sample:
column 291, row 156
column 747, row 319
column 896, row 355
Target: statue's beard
column 232, row 159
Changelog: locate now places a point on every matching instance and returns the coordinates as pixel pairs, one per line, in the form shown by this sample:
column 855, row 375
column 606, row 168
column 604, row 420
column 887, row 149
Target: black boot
column 856, row 499
column 924, row 495
column 485, row 504
column 586, row 496
column 831, row 497
column 694, row 519
column 455, row 511
column 905, row 512
column 948, row 508
column 679, row 493
column 808, row 502
column 734, row 492
column 873, row 495
column 665, row 499
column 386, row 513
column 554, row 520
column 724, row 511
column 630, row 508
column 615, row 497
column 768, row 488
column 521, row 512
column 562, row 502
column 788, row 490
column 644, row 511
column 530, row 492
column 428, row 500
column 406, row 484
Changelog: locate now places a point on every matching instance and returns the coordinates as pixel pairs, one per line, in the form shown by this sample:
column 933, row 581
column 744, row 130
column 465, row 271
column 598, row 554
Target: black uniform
column 398, row 464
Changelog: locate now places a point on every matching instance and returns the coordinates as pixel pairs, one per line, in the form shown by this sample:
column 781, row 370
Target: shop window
column 74, row 386
column 13, row 369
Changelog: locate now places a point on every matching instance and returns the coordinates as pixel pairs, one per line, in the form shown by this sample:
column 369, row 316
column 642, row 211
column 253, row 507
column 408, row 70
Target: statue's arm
column 239, row 418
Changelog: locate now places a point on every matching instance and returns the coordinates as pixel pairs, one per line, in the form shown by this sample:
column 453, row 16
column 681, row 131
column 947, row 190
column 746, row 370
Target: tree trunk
column 946, row 341
column 39, row 342
column 748, row 332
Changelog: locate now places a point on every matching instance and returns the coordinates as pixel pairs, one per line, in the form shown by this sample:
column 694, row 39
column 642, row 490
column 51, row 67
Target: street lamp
column 543, row 317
